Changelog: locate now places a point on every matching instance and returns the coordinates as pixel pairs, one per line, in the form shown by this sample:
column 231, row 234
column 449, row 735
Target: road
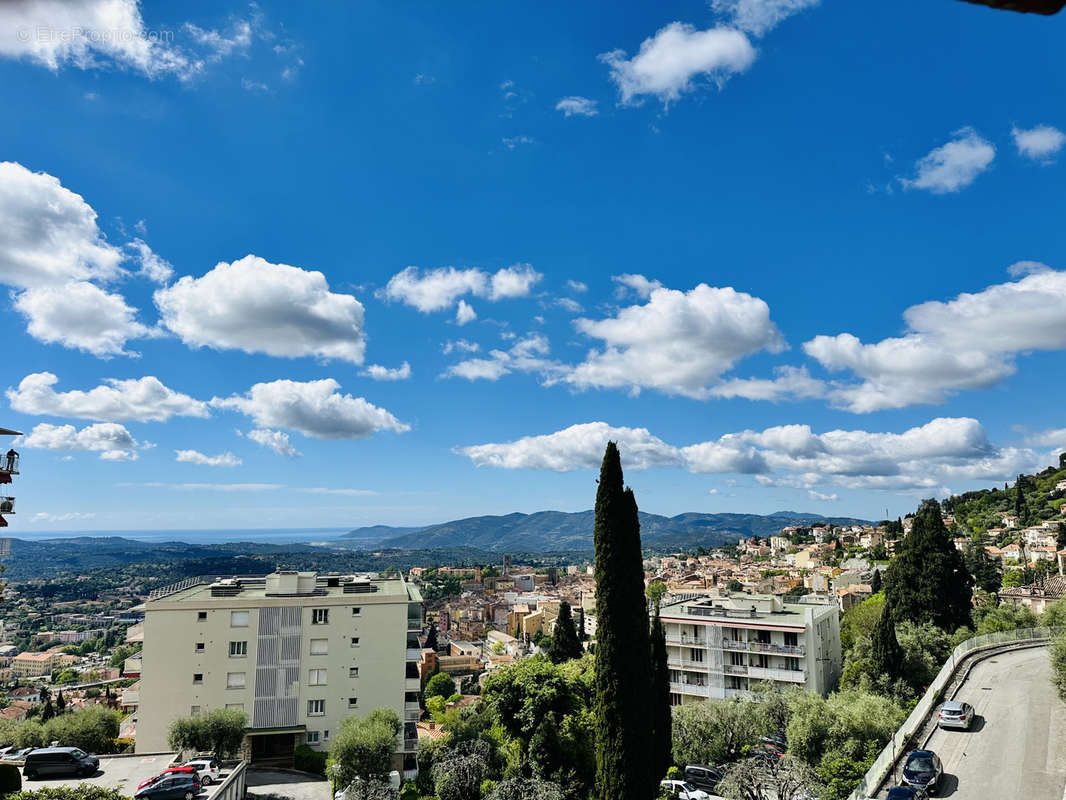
column 1017, row 746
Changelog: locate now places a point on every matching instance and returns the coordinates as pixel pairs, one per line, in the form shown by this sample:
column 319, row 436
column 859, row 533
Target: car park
column 703, row 777
column 956, row 714
column 176, row 786
column 683, row 790
column 57, row 762
column 18, row 756
column 922, row 770
column 182, row 770
column 208, row 770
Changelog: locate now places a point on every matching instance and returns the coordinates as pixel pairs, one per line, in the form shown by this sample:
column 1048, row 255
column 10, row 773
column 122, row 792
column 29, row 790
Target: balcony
column 410, row 744
column 414, row 654
column 734, row 644
column 770, row 674
column 7, row 505
column 412, row 714
column 412, row 684
column 686, row 639
column 691, row 689
column 9, row 463
column 783, row 649
column 684, row 663
column 736, row 669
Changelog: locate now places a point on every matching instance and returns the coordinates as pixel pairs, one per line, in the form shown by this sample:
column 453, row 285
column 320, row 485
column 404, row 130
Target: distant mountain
column 558, row 530
column 378, row 533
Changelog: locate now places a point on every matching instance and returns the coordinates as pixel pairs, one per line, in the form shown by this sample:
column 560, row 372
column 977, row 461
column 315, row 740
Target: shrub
column 83, row 791
column 307, row 760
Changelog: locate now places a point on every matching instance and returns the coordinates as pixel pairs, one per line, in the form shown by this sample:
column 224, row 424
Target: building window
column 201, row 616
column 238, row 619
column 762, row 661
column 234, row 680
column 194, row 710
column 319, row 616
column 695, row 655
column 353, row 702
column 197, row 677
column 675, row 699
column 325, row 734
column 357, row 611
column 316, row 708
column 199, row 647
column 235, row 706
column 316, row 677
column 319, row 647
column 355, row 641
column 311, row 737
column 792, row 664
column 792, row 639
column 238, row 649
column 353, row 672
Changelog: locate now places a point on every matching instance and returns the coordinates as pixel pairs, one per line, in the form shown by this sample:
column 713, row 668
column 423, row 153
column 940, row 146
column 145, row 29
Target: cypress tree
column 48, row 711
column 623, row 672
column 886, row 655
column 431, row 637
column 61, row 702
column 927, row 580
column 581, row 624
column 565, row 644
column 661, row 720
column 875, row 582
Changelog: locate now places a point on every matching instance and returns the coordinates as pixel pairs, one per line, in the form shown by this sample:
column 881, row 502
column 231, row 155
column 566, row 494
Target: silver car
column 955, row 714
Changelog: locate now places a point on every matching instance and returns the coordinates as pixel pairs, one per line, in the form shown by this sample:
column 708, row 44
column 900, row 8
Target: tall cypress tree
column 623, row 672
column 661, row 719
column 875, row 582
column 565, row 644
column 581, row 624
column 885, row 653
column 927, row 580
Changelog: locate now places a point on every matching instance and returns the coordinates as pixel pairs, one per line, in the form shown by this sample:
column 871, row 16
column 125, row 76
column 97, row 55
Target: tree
column 82, row 791
column 92, row 729
column 655, row 591
column 886, row 654
column 713, row 731
column 622, row 676
column 61, row 703
column 927, row 581
column 985, row 571
column 875, row 582
column 48, row 711
column 363, row 747
column 661, row 723
column 734, row 586
column 545, row 752
column 565, row 644
column 431, row 637
column 440, row 685
column 525, row 789
column 458, row 774
column 220, row 731
column 581, row 624
column 1058, row 665
column 785, row 778
column 1060, row 535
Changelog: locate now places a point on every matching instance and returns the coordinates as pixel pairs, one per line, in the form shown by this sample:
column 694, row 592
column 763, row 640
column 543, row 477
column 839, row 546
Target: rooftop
column 207, row 589
column 739, row 607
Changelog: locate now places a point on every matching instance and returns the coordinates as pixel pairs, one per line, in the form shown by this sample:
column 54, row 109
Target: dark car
column 170, row 787
column 703, row 777
column 904, row 793
column 922, row 770
column 54, row 762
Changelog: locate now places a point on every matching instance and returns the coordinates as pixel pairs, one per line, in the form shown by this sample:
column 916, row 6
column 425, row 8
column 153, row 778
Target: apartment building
column 722, row 646
column 36, row 665
column 296, row 651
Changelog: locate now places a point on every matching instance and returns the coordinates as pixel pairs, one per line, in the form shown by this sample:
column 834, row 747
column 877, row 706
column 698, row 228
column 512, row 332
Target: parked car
column 905, row 793
column 178, row 785
column 18, row 756
column 208, row 769
column 182, row 770
column 684, row 791
column 955, row 714
column 703, row 777
column 922, row 770
column 54, row 762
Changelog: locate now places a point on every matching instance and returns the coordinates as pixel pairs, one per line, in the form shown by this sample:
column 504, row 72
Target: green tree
column 61, row 703
column 655, row 591
column 875, row 582
column 1058, row 665
column 526, row 789
column 1054, row 615
column 622, row 676
column 431, row 637
column 927, row 580
column 661, row 722
column 565, row 644
column 48, row 711
column 220, row 731
column 545, row 751
column 1060, row 535
column 985, row 570
column 82, row 791
column 1005, row 617
column 458, row 774
column 93, row 729
column 440, row 685
column 363, row 746
column 886, row 654
column 734, row 586
column 714, row 731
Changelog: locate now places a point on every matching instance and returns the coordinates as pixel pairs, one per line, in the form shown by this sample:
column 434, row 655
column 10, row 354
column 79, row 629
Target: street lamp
column 335, row 770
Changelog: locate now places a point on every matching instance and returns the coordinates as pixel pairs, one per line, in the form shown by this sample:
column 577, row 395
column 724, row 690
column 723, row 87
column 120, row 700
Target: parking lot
column 123, row 773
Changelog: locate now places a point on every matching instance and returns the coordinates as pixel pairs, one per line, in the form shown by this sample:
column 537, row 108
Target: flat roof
column 254, row 588
column 739, row 610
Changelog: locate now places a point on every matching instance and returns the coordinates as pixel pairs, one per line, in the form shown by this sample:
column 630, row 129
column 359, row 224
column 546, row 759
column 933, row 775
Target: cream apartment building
column 296, row 651
column 721, row 646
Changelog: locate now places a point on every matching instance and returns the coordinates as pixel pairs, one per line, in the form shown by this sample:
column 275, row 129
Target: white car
column 207, row 769
column 684, row 791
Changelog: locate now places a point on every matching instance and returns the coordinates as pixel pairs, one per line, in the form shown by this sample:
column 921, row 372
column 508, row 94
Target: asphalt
column 263, row 784
column 1017, row 745
column 123, row 773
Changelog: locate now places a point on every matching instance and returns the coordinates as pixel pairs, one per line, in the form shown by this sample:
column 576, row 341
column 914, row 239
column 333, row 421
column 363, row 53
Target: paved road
column 1017, row 747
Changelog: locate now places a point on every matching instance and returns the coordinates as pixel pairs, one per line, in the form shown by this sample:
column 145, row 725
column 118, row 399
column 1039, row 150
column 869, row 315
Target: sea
column 221, row 536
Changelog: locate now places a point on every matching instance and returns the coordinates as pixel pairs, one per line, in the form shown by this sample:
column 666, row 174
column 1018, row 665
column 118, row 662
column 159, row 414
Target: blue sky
column 390, row 263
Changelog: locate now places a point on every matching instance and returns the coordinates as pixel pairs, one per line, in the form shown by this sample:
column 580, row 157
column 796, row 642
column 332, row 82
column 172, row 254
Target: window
column 194, row 710
column 235, row 706
column 319, row 647
column 695, row 655
column 357, row 611
column 311, row 737
column 316, row 708
column 201, row 616
column 325, row 734
column 197, row 677
column 234, row 680
column 353, row 702
column 792, row 664
column 199, row 647
column 791, row 639
column 762, row 661
column 238, row 619
column 319, row 616
column 355, row 641
column 353, row 672
column 238, row 649
column 316, row 677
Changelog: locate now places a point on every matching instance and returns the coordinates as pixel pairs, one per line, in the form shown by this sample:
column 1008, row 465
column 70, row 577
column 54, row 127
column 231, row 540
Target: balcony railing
column 786, row 649
column 410, row 744
column 684, row 663
column 9, row 464
column 770, row 674
column 736, row 669
column 7, row 505
column 414, row 654
column 686, row 639
column 734, row 644
column 691, row 688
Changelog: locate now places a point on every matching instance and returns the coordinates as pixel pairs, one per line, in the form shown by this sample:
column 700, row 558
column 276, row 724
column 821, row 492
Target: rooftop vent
column 226, row 587
column 359, row 586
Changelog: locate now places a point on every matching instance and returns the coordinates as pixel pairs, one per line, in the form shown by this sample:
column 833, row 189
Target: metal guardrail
column 886, row 759
column 233, row 787
column 174, row 588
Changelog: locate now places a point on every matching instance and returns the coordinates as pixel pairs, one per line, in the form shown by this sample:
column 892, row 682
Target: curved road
column 1017, row 746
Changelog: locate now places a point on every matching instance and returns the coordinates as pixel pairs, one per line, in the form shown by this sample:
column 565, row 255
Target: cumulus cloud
column 144, row 399
column 969, row 342
column 641, row 286
column 70, row 516
column 314, row 408
column 48, row 234
column 112, row 441
column 460, row 346
column 669, row 63
column 758, row 17
column 153, row 267
column 442, row 288
column 1041, row 143
column 527, row 354
column 822, row 497
column 219, row 45
column 569, row 304
column 260, row 307
column 464, row 313
column 380, row 373
column 952, row 166
column 226, row 459
column 576, row 286
column 678, row 343
column 576, row 106
column 1053, row 437
column 278, row 441
column 790, row 383
column 81, row 316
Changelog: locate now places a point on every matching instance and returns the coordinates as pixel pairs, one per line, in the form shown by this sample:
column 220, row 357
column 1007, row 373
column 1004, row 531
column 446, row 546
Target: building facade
column 296, row 651
column 722, row 646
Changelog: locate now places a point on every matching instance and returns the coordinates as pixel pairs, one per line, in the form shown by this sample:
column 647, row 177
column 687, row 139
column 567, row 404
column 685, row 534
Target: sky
column 268, row 265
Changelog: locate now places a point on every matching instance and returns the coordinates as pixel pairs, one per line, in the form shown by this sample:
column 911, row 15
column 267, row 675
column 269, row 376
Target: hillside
column 1032, row 499
column 547, row 531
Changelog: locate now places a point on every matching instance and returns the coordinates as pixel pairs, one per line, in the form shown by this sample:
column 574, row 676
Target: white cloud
column 442, row 288
column 226, row 459
column 81, row 316
column 528, row 354
column 380, row 373
column 460, row 346
column 969, row 342
column 576, row 286
column 569, row 304
column 142, row 399
column 512, row 142
column 314, row 408
column 112, row 441
column 643, row 287
column 464, row 313
column 790, row 383
column 220, row 45
column 576, row 106
column 48, row 234
column 678, row 343
column 278, row 441
column 339, row 492
column 1054, row 438
column 259, row 307
column 952, row 166
column 822, row 497
column 1021, row 268
column 70, row 516
column 669, row 62
column 153, row 267
column 758, row 17
column 1041, row 143
column 256, row 87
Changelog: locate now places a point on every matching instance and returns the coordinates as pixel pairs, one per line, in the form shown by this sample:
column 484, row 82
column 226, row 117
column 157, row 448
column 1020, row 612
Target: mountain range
column 546, row 531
